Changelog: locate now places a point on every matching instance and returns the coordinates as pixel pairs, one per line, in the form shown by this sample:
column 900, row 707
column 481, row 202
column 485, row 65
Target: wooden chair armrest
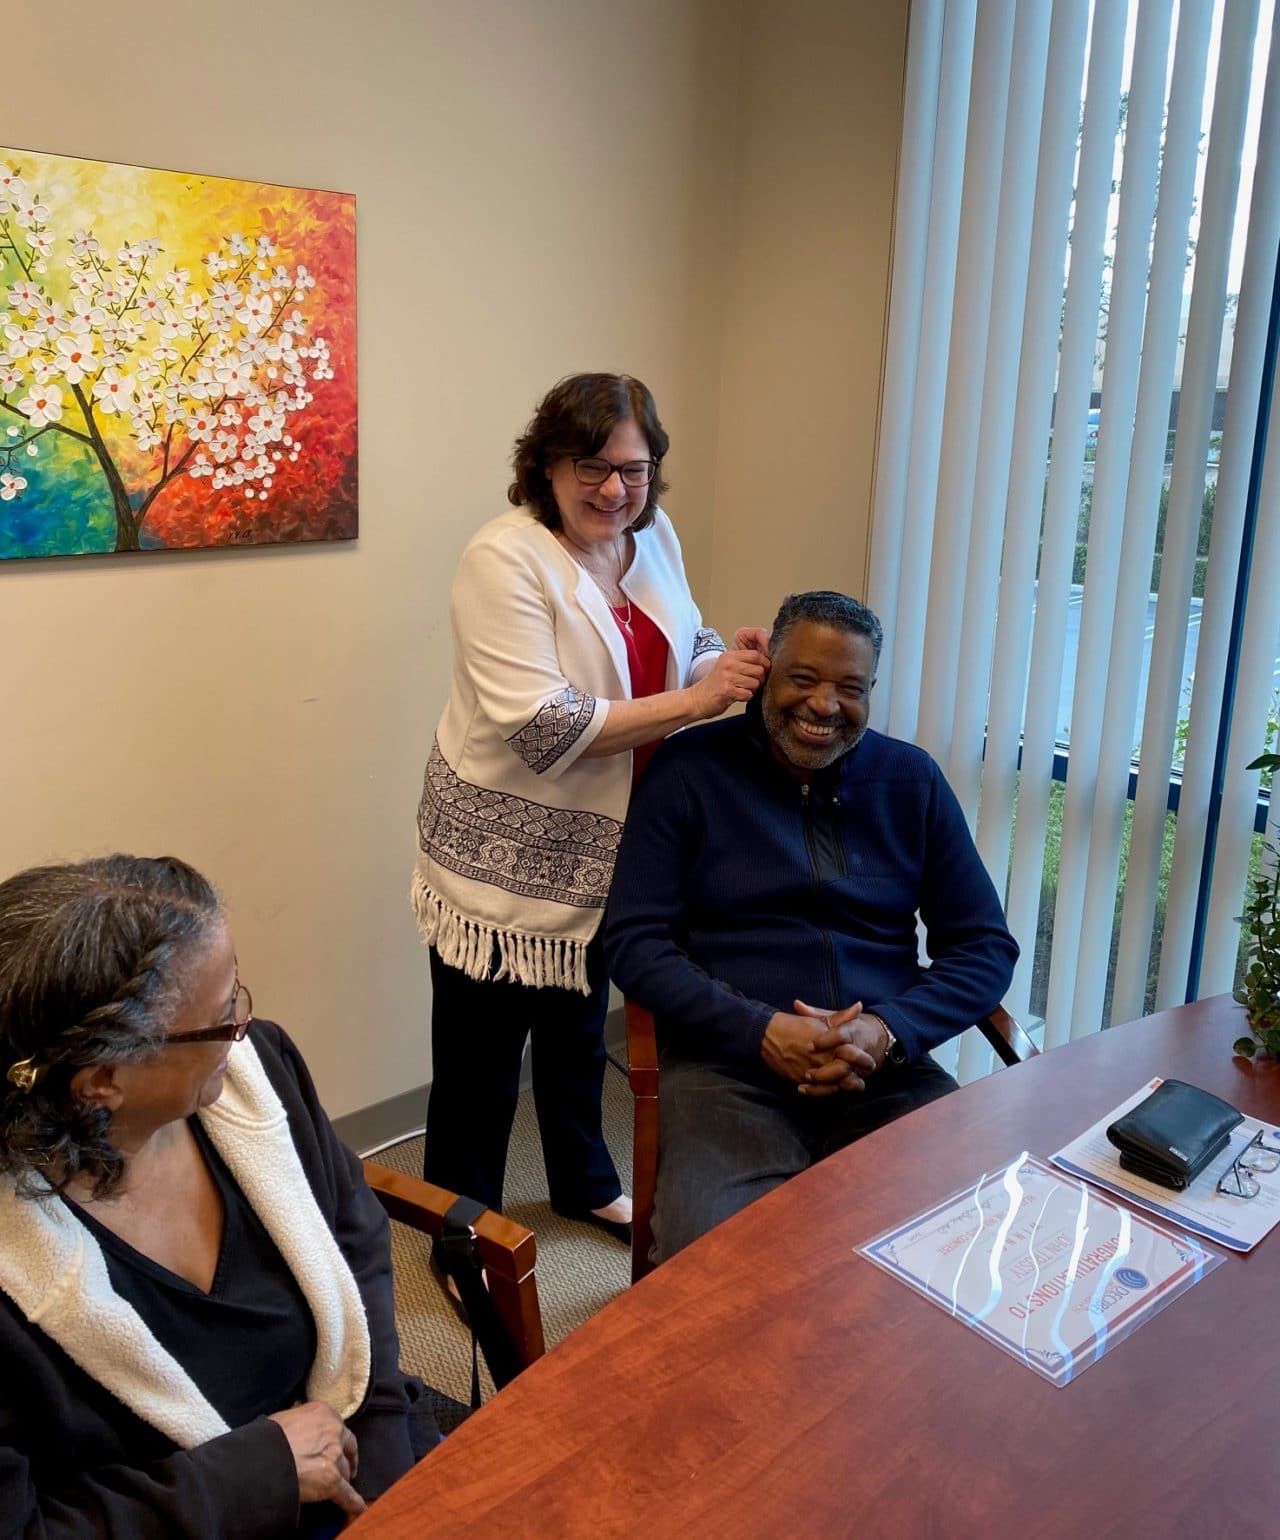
column 642, row 1050
column 505, row 1246
column 1007, row 1037
column 642, row 1072
column 508, row 1251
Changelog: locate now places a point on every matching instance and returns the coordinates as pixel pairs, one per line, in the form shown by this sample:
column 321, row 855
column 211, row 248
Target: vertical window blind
column 1076, row 528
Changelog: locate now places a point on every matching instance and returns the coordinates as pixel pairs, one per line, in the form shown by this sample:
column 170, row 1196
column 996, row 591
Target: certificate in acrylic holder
column 1050, row 1270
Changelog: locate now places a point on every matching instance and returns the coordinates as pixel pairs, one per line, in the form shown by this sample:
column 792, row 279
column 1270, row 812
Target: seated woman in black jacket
column 196, row 1319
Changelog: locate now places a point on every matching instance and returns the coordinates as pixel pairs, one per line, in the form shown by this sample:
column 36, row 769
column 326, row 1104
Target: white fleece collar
column 53, row 1269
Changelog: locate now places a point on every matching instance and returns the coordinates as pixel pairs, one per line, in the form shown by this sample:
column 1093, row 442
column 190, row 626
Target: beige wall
column 535, row 185
column 697, row 191
column 807, row 282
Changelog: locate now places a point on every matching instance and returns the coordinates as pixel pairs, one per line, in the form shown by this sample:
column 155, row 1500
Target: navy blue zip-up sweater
column 739, row 889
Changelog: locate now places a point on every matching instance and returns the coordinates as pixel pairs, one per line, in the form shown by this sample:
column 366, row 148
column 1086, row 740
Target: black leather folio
column 1173, row 1135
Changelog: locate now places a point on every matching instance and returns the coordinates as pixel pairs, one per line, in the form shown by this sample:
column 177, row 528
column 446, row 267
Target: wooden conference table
column 770, row 1382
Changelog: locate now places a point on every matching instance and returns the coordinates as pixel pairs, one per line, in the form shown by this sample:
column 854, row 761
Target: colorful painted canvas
column 177, row 360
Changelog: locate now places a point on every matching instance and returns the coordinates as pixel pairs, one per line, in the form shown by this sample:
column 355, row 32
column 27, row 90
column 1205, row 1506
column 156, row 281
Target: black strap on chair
column 459, row 1256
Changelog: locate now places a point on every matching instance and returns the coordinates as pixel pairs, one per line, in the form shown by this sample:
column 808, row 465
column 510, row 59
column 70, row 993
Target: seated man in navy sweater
column 764, row 907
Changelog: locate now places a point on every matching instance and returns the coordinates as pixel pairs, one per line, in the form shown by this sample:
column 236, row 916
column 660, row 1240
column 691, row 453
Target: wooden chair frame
column 508, row 1251
column 1010, row 1042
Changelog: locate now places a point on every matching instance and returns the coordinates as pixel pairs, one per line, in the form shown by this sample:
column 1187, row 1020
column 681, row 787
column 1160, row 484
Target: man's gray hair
column 94, row 959
column 825, row 607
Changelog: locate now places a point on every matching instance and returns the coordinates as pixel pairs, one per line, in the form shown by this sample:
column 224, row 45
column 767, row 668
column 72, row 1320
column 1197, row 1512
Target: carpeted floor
column 579, row 1269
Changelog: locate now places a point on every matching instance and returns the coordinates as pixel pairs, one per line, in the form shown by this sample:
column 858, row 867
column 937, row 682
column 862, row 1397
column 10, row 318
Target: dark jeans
column 478, row 1033
column 723, row 1142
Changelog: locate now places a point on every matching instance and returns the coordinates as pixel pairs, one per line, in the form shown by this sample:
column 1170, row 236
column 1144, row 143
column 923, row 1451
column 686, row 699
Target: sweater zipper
column 828, row 950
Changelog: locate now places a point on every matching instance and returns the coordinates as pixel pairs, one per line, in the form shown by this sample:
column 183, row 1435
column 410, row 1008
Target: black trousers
column 724, row 1142
column 478, row 1033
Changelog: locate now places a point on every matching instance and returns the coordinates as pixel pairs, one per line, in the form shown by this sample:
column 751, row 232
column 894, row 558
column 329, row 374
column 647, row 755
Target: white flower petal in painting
column 11, row 378
column 47, row 316
column 11, row 485
column 87, row 314
column 83, row 244
column 233, row 377
column 42, row 405
column 114, row 391
column 199, row 426
column 74, row 358
column 11, row 184
column 29, row 212
column 256, row 312
column 21, row 340
column 224, row 296
column 24, row 296
column 174, row 325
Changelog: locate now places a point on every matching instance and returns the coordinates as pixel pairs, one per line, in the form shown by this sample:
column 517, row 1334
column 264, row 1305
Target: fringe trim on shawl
column 539, row 962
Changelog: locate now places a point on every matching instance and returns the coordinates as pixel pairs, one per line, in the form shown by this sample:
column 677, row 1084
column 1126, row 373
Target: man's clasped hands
column 820, row 1060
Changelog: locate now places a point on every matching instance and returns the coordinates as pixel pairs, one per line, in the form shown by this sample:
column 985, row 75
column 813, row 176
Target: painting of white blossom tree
column 177, row 360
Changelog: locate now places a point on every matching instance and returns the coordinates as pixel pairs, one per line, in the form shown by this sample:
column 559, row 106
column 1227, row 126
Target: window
column 1086, row 635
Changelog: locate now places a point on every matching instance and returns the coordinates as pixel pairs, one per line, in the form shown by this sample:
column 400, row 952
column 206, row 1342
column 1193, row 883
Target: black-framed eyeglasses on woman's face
column 593, row 472
column 1240, row 1179
column 225, row 1032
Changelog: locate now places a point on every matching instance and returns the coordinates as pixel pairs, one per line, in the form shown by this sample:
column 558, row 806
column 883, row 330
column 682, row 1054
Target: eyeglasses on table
column 1240, row 1179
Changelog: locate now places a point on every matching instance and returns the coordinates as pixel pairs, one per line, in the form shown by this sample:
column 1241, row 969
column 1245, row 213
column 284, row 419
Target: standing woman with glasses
column 577, row 648
column 196, row 1317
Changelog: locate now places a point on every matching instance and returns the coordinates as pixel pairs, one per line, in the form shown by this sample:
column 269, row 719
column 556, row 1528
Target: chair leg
column 516, row 1301
column 644, row 1176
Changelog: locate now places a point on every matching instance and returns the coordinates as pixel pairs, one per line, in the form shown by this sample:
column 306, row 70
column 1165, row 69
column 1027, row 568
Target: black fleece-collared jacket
column 76, row 1462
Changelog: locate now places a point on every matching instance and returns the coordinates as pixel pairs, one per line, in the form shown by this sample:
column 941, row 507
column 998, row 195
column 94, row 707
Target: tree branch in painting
column 158, row 377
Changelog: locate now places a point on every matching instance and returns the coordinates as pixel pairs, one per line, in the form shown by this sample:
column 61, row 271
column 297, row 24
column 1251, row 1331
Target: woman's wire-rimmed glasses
column 1240, row 1179
column 225, row 1032
column 594, row 472
column 27, row 1072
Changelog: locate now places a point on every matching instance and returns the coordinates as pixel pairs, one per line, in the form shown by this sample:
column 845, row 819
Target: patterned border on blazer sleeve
column 553, row 729
column 706, row 640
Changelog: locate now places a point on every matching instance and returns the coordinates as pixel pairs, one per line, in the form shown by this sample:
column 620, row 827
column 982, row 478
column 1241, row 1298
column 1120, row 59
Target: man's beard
column 805, row 755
